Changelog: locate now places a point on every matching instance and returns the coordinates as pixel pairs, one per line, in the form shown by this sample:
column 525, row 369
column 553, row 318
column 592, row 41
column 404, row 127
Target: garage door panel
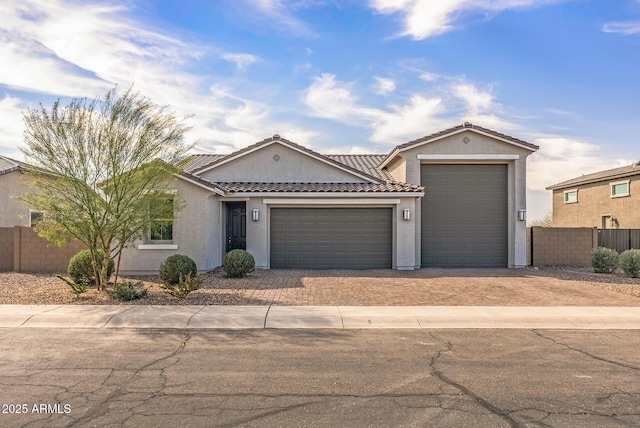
column 331, row 237
column 464, row 215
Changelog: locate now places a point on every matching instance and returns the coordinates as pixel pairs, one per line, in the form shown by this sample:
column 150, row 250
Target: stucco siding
column 189, row 234
column 397, row 169
column 13, row 212
column 594, row 202
column 277, row 163
column 472, row 144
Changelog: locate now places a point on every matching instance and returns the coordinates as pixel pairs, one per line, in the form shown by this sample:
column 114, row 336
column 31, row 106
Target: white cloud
column 384, row 86
column 331, row 99
column 241, row 60
column 279, row 14
column 428, row 77
column 414, row 119
column 476, row 101
column 479, row 106
column 427, row 18
column 624, row 28
column 83, row 49
column 455, row 101
column 12, row 129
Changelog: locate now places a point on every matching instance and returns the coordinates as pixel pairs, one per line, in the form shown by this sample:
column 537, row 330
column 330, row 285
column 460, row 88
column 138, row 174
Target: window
column 619, row 189
column 571, row 196
column 34, row 218
column 161, row 223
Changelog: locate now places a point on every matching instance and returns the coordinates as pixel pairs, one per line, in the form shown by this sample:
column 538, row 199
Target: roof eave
column 568, row 184
column 324, row 194
column 198, row 182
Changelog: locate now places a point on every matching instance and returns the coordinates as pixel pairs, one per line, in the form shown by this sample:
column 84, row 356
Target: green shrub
column 176, row 265
column 238, row 263
column 76, row 289
column 630, row 263
column 604, row 260
column 80, row 269
column 129, row 290
column 186, row 285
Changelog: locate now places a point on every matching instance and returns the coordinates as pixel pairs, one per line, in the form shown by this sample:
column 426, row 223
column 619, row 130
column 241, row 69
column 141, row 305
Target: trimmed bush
column 80, row 269
column 186, row 285
column 174, row 266
column 238, row 263
column 630, row 263
column 604, row 260
column 129, row 291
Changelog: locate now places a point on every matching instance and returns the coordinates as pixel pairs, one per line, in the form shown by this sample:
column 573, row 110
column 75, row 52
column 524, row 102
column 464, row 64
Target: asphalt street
column 316, row 378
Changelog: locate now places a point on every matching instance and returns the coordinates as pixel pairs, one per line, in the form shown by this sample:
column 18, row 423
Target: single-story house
column 14, row 212
column 455, row 198
column 607, row 199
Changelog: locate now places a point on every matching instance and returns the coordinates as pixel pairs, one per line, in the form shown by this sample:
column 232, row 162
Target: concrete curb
column 318, row 317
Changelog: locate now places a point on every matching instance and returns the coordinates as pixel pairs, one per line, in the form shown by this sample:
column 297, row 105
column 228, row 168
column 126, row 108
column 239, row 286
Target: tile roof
column 466, row 125
column 607, row 175
column 201, row 181
column 276, row 138
column 8, row 165
column 366, row 163
column 319, row 187
column 199, row 160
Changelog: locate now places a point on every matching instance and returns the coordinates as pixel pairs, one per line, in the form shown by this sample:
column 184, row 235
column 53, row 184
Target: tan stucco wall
column 479, row 145
column 291, row 166
column 191, row 233
column 397, row 169
column 595, row 201
column 13, row 212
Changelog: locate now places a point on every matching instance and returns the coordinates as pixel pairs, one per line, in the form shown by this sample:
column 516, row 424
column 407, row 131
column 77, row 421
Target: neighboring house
column 451, row 199
column 14, row 212
column 607, row 199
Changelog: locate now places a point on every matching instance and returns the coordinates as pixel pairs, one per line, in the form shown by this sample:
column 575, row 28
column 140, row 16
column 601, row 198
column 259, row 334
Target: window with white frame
column 620, row 189
column 571, row 196
column 161, row 220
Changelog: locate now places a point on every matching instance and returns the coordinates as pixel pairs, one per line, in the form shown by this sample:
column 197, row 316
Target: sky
column 350, row 76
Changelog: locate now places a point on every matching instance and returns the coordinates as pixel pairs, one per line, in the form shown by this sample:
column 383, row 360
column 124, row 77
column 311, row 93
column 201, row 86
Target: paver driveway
column 430, row 287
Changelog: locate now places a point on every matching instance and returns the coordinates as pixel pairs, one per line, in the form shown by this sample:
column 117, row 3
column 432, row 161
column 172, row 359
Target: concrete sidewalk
column 317, row 317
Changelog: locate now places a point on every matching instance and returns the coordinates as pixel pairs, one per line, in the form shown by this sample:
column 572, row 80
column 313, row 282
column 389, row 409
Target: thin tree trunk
column 115, row 281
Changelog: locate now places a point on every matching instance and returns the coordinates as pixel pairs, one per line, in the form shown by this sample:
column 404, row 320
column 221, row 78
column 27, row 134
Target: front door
column 236, row 226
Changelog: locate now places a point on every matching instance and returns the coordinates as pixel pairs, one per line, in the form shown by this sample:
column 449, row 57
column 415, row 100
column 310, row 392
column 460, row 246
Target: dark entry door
column 236, row 226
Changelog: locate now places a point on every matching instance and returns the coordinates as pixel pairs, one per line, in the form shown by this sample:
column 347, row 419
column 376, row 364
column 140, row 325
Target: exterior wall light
column 255, row 214
column 522, row 214
column 406, row 214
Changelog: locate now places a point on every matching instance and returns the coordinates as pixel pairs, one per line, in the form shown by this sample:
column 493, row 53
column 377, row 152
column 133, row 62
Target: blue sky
column 345, row 76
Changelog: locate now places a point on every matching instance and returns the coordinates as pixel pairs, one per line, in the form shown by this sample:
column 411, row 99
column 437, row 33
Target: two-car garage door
column 326, row 238
column 464, row 215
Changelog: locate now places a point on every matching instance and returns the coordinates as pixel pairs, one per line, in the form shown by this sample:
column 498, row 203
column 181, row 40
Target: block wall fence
column 22, row 250
column 568, row 246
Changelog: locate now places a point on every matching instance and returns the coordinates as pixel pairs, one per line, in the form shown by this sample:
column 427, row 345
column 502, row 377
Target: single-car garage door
column 326, row 238
column 464, row 216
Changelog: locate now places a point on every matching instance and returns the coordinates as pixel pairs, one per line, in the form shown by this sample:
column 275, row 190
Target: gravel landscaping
column 47, row 289
column 28, row 289
column 616, row 281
